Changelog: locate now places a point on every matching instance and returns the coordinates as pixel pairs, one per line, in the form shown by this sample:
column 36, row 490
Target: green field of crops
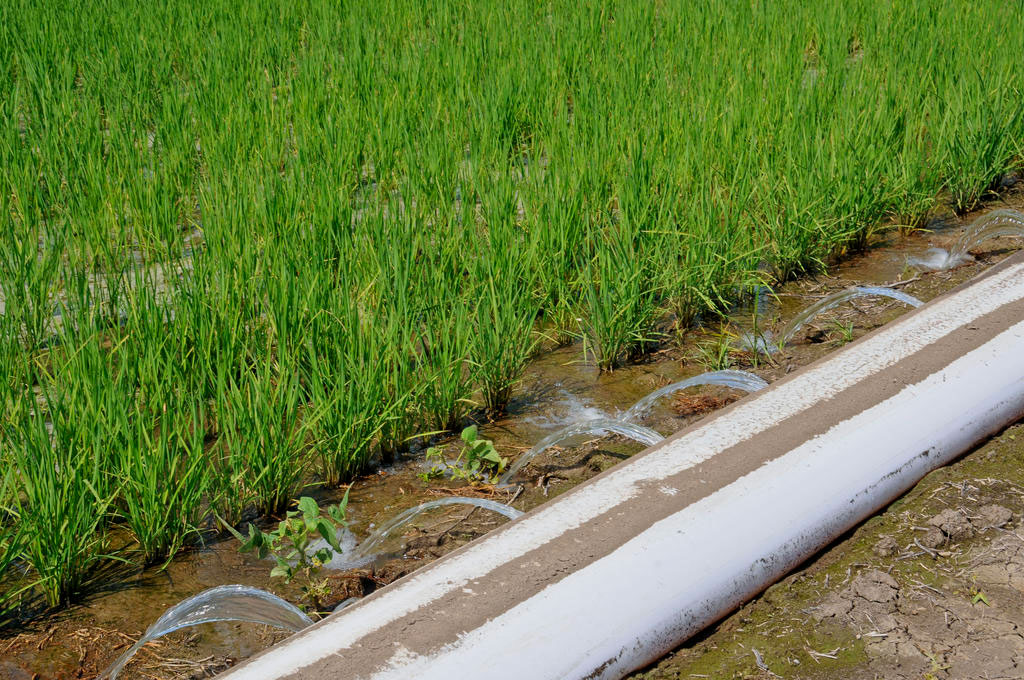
column 255, row 244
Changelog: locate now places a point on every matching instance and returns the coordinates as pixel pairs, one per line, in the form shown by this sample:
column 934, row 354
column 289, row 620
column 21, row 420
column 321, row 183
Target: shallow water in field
column 559, row 387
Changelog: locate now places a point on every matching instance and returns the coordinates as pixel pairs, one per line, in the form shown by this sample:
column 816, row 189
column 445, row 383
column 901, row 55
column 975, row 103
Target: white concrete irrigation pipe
column 618, row 571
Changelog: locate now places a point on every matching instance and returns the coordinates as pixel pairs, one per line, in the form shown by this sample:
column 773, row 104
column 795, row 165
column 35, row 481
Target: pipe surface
column 615, row 573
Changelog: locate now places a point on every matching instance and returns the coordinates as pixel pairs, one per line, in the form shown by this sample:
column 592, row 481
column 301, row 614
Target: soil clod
column 953, row 524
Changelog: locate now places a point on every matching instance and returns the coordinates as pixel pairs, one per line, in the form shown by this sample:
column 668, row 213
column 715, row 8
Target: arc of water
column 769, row 344
column 740, row 380
column 1003, row 222
column 347, row 602
column 365, row 550
column 223, row 603
column 638, row 433
column 839, row 298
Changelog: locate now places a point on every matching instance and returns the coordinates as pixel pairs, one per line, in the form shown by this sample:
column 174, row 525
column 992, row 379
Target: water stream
column 767, row 343
column 366, row 551
column 223, row 603
column 740, row 380
column 638, row 433
column 1004, row 222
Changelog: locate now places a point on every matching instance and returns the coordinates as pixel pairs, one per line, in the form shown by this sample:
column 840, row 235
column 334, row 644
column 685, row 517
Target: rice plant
column 263, row 436
column 502, row 337
column 59, row 505
column 348, row 387
column 11, row 545
column 164, row 479
column 621, row 309
column 447, row 375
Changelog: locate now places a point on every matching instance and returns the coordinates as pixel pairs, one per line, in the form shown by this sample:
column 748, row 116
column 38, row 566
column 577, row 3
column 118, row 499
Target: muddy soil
column 854, row 612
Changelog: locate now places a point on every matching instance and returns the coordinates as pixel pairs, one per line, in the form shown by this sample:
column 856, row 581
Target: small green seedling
column 290, row 544
column 843, row 330
column 716, row 354
column 478, row 460
column 936, row 666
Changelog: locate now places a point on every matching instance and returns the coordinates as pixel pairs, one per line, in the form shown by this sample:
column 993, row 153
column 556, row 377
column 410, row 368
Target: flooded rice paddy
column 560, row 388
